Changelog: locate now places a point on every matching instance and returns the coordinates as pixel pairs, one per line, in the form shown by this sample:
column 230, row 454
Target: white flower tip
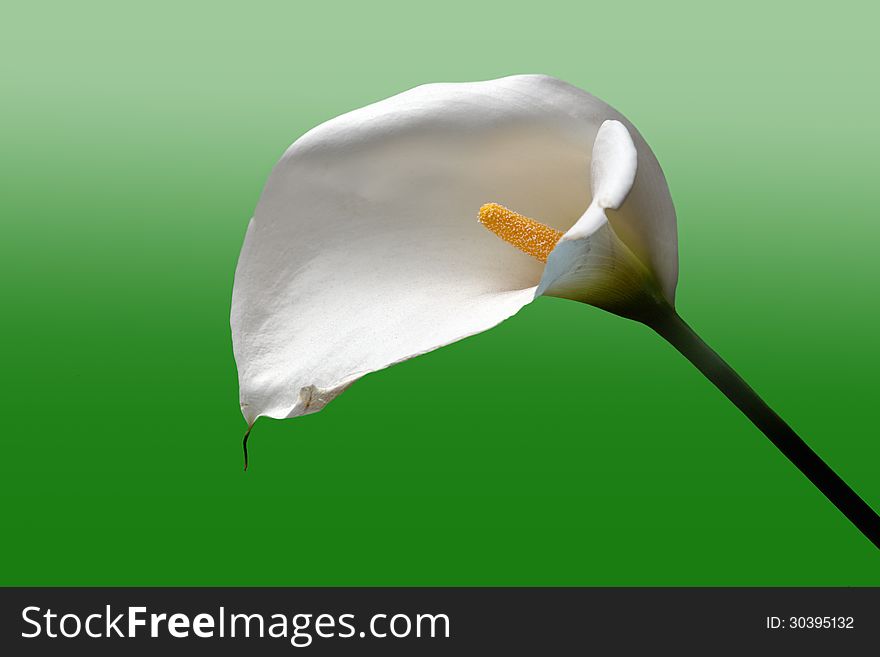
column 613, row 169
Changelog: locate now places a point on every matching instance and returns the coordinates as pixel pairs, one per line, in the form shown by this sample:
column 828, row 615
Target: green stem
column 673, row 328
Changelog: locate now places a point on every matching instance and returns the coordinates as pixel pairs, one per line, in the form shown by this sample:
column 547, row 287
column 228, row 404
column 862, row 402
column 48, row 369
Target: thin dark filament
column 244, row 447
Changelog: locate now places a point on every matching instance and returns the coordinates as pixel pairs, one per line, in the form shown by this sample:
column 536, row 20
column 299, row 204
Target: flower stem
column 669, row 325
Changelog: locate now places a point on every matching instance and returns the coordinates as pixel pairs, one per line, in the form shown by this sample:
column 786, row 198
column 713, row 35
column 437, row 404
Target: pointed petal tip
column 614, row 165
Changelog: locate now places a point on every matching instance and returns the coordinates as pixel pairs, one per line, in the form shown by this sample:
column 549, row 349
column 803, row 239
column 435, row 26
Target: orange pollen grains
column 528, row 235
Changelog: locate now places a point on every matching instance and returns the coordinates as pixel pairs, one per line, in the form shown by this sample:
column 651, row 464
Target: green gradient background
column 567, row 446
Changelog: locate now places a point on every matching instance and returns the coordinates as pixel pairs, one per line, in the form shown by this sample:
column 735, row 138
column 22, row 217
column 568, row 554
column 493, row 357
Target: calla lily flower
column 420, row 220
column 365, row 250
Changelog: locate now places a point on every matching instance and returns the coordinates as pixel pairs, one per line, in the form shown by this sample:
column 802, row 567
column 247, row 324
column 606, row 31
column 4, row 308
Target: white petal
column 645, row 219
column 614, row 165
column 364, row 249
column 592, row 263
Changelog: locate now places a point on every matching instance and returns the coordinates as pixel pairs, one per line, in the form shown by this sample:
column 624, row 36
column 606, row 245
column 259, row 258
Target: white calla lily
column 364, row 249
